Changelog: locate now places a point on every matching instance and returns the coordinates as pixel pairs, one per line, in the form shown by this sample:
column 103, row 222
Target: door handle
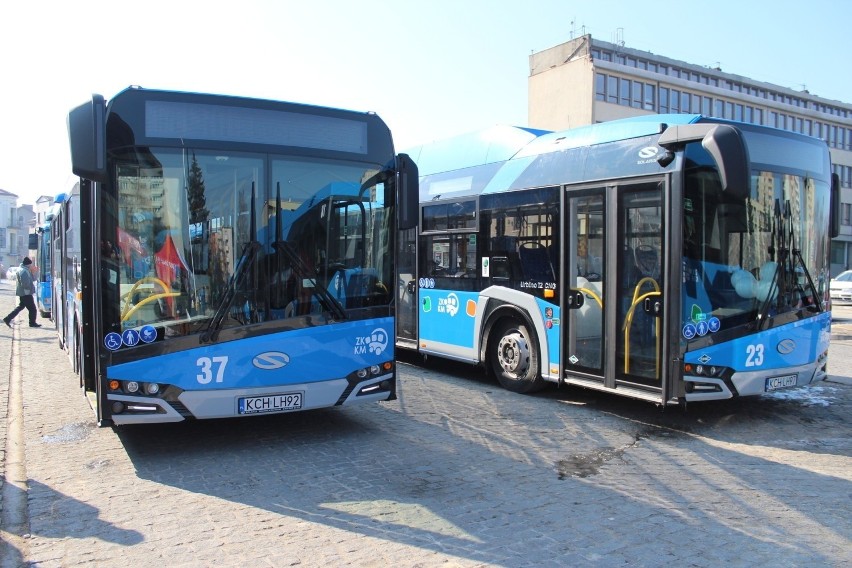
column 653, row 306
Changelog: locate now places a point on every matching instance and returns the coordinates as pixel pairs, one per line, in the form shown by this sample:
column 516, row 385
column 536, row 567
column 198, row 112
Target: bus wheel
column 514, row 358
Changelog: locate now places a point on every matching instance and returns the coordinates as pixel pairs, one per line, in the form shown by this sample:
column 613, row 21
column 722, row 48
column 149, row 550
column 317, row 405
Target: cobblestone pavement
column 457, row 472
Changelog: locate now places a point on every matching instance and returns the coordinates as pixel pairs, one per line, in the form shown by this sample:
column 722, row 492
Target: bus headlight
column 152, row 388
column 131, row 386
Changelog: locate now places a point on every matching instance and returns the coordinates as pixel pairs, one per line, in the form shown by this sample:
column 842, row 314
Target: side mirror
column 86, row 136
column 408, row 192
column 726, row 145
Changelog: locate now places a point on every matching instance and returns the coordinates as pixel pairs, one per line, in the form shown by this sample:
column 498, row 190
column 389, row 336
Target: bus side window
column 504, row 257
column 535, row 261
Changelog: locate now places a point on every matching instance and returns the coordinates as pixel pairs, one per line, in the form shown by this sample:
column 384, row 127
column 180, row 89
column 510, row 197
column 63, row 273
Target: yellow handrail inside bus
column 127, row 310
column 151, row 298
column 593, row 294
column 628, row 322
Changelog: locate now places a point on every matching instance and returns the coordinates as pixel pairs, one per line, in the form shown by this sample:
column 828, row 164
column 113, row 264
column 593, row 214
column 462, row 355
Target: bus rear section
column 665, row 258
column 240, row 253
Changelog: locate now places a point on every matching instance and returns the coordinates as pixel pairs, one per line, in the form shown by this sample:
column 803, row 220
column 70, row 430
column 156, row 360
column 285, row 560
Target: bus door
column 585, row 273
column 614, row 333
column 406, row 294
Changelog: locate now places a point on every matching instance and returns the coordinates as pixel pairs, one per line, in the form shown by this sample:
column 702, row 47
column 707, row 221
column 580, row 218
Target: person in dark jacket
column 24, row 290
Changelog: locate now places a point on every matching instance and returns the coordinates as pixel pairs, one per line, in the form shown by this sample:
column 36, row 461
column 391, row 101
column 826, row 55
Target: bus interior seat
column 504, row 256
column 535, row 262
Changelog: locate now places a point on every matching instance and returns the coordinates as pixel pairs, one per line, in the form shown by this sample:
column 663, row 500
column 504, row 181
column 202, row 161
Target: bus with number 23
column 669, row 258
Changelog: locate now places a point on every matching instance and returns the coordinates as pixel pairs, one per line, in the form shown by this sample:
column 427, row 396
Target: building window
column 624, row 92
column 664, row 100
column 600, row 87
column 637, row 94
column 612, row 89
column 706, row 106
column 2, row 238
column 684, row 102
column 846, row 214
column 650, row 96
column 838, row 253
column 675, row 102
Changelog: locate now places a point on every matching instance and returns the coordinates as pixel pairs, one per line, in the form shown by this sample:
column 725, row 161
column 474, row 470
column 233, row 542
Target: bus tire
column 513, row 356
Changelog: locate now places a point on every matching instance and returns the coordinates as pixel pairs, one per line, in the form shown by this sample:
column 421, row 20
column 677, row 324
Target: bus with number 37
column 669, row 258
column 224, row 256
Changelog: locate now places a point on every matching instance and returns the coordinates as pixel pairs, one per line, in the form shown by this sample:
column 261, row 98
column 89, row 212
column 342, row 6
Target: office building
column 585, row 80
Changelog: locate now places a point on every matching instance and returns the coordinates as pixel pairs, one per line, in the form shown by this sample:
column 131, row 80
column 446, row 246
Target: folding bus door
column 613, row 333
column 639, row 337
column 586, row 277
column 406, row 289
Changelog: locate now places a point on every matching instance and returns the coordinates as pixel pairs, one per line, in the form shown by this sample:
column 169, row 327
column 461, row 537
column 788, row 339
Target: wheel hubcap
column 513, row 354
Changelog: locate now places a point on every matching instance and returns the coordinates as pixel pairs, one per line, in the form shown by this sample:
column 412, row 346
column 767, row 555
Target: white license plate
column 775, row 383
column 270, row 403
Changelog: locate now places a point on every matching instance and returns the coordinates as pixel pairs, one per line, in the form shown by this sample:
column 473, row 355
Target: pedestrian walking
column 24, row 290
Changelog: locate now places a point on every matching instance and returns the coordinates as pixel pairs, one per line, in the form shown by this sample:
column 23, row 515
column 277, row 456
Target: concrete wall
column 561, row 86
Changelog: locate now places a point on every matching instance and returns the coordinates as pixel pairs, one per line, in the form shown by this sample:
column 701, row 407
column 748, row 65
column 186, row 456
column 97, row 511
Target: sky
column 430, row 69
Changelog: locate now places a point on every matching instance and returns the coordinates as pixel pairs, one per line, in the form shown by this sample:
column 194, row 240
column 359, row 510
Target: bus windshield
column 750, row 260
column 244, row 237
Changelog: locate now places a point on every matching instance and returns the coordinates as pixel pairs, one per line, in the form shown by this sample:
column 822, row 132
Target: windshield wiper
column 787, row 257
column 281, row 246
column 211, row 332
column 235, row 282
column 322, row 294
column 797, row 255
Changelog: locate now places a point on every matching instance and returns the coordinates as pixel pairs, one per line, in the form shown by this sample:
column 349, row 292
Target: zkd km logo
column 375, row 343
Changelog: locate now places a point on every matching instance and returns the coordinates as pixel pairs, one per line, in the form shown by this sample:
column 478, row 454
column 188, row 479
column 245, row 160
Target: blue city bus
column 225, row 256
column 668, row 258
column 40, row 251
column 65, row 274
